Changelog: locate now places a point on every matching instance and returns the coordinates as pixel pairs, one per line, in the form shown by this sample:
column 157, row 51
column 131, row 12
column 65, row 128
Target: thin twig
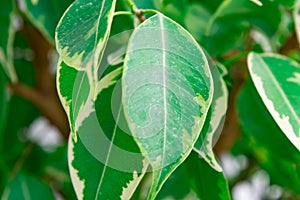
column 137, row 12
column 18, row 165
column 122, row 13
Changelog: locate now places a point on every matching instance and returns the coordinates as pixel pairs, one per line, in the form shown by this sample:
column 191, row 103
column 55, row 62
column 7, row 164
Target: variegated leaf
column 74, row 91
column 105, row 162
column 167, row 88
column 277, row 80
column 81, row 37
column 7, row 35
column 215, row 118
column 82, row 33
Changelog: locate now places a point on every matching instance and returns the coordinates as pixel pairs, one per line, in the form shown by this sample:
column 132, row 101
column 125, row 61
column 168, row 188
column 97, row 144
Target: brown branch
column 48, row 105
column 44, row 95
column 290, row 44
column 139, row 14
column 231, row 130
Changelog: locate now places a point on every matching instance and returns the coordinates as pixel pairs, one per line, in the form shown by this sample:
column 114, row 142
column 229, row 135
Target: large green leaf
column 215, row 118
column 7, row 34
column 167, row 88
column 44, row 14
column 297, row 19
column 107, row 148
column 277, row 80
column 27, row 187
column 195, row 179
column 266, row 140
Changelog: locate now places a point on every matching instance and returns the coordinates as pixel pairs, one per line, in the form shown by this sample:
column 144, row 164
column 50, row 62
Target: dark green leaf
column 27, row 187
column 271, row 148
column 7, row 34
column 44, row 15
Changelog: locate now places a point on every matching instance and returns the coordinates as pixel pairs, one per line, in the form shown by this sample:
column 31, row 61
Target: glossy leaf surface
column 167, row 88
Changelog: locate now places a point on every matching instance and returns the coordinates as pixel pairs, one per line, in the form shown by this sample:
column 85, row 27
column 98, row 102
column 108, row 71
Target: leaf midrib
column 108, row 153
column 164, row 92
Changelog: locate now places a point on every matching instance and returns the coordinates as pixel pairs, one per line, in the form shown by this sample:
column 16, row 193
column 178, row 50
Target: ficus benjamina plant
column 152, row 99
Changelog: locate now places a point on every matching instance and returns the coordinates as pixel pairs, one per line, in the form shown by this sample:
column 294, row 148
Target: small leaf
column 167, row 88
column 7, row 35
column 27, row 187
column 107, row 148
column 279, row 91
column 215, row 118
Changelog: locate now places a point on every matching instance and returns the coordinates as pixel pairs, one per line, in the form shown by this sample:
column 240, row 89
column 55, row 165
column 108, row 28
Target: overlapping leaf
column 215, row 118
column 167, row 88
column 115, row 165
column 81, row 37
column 44, row 14
column 74, row 91
column 7, row 34
column 277, row 80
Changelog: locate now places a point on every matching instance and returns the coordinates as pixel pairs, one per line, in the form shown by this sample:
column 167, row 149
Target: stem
column 44, row 96
column 137, row 12
column 122, row 13
column 132, row 5
column 149, row 11
column 21, row 160
column 235, row 58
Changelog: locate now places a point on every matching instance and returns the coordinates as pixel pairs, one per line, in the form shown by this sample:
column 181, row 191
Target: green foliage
column 145, row 87
column 165, row 111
